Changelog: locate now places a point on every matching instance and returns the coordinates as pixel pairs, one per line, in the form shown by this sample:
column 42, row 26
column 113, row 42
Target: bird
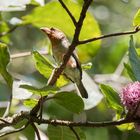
column 60, row 45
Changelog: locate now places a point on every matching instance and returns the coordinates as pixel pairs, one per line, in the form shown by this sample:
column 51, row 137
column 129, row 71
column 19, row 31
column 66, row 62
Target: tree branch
column 14, row 131
column 81, row 20
column 137, row 29
column 15, row 119
column 68, row 11
column 87, row 124
column 7, row 32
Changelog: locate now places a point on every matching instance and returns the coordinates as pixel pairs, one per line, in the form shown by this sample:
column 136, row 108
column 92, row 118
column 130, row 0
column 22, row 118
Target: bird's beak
column 46, row 30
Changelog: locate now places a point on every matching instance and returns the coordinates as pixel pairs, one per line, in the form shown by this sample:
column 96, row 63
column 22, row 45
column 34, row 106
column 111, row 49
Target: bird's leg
column 38, row 109
column 41, row 101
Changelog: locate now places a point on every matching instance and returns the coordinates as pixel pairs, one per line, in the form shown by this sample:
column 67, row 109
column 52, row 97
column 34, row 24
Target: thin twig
column 16, row 118
column 68, row 11
column 86, row 124
column 75, row 133
column 15, row 131
column 7, row 32
column 34, row 119
column 137, row 29
column 81, row 20
column 36, row 131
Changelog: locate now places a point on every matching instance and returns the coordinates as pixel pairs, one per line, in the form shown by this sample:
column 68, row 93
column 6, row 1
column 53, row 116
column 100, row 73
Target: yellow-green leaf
column 136, row 20
column 61, row 81
column 30, row 102
column 43, row 65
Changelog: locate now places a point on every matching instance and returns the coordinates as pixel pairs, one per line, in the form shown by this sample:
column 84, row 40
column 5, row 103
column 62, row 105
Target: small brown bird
column 60, row 46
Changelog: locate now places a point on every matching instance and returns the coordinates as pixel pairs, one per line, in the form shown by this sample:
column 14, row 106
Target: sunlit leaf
column 86, row 66
column 125, row 127
column 70, row 101
column 136, row 20
column 134, row 59
column 46, row 16
column 30, row 102
column 64, row 133
column 112, row 97
column 43, row 65
column 130, row 72
column 61, row 81
column 80, row 1
column 138, row 51
column 4, row 61
column 4, row 28
column 40, row 91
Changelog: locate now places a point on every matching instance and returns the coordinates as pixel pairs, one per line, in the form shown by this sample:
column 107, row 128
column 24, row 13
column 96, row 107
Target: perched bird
column 60, row 46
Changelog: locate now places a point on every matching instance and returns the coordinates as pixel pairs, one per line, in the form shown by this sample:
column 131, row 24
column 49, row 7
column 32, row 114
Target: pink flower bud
column 130, row 98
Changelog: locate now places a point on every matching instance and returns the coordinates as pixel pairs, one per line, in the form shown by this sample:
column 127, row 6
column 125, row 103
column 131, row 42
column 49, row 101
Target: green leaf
column 86, row 66
column 41, row 91
column 61, row 81
column 125, row 127
column 43, row 65
column 4, row 28
column 27, row 133
column 69, row 100
column 30, row 102
column 4, row 61
column 112, row 97
column 130, row 72
column 138, row 51
column 46, row 16
column 64, row 133
column 134, row 59
column 136, row 20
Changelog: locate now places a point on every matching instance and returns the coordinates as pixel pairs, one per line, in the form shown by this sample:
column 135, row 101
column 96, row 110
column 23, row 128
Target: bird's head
column 54, row 34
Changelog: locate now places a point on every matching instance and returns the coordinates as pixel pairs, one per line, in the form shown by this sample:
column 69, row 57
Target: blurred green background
column 109, row 17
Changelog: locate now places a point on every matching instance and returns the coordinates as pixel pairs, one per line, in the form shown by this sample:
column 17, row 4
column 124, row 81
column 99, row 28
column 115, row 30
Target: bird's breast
column 58, row 53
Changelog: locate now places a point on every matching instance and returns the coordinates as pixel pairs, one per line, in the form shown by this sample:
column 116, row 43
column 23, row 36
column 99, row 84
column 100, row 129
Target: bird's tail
column 82, row 89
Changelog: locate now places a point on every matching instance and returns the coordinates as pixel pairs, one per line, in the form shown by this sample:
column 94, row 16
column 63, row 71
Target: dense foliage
column 56, row 111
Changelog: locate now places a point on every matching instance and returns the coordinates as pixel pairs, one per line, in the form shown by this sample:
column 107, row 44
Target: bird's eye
column 52, row 29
